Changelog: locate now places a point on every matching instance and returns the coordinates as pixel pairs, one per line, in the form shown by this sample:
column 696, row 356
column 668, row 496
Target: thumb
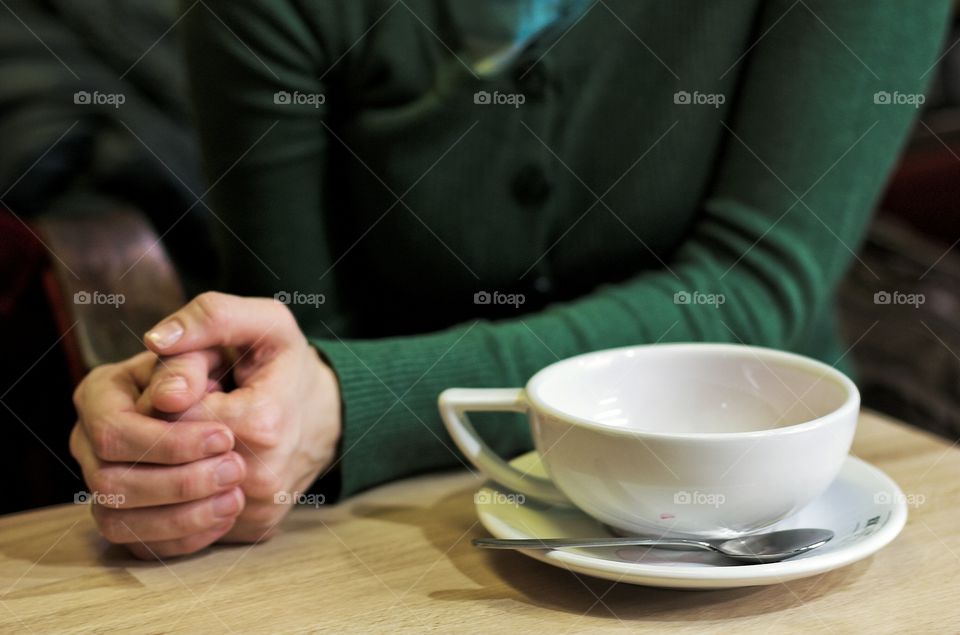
column 218, row 319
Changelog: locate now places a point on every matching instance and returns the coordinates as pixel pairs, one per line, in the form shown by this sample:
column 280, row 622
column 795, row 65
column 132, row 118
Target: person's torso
column 581, row 159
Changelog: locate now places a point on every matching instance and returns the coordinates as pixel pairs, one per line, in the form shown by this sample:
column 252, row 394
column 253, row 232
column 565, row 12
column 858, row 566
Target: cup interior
column 691, row 389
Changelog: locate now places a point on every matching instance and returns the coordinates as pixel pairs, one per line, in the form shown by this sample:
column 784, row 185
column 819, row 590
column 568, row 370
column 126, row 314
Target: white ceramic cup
column 707, row 440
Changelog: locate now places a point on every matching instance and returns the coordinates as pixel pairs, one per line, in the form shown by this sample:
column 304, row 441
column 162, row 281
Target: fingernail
column 228, row 472
column 166, row 334
column 226, row 504
column 217, row 443
column 173, row 384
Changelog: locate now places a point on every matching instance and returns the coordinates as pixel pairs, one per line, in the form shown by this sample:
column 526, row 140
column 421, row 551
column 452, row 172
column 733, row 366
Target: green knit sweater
column 647, row 171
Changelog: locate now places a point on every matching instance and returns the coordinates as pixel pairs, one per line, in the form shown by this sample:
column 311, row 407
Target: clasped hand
column 192, row 441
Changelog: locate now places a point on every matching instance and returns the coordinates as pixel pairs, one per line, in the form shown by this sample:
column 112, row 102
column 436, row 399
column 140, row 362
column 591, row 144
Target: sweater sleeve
column 809, row 143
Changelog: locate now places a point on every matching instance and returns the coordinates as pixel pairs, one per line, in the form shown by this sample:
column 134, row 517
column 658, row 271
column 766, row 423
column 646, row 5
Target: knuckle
column 251, row 534
column 196, row 542
column 174, row 548
column 183, row 546
column 261, row 483
column 263, row 515
column 162, row 372
column 285, row 314
column 265, row 417
column 183, row 523
column 104, row 438
column 75, row 441
column 212, row 309
column 144, row 357
column 98, row 374
column 92, row 378
column 102, row 482
column 77, row 396
column 177, row 446
column 190, row 486
column 233, row 410
column 110, row 524
column 191, row 520
column 188, row 365
column 182, row 365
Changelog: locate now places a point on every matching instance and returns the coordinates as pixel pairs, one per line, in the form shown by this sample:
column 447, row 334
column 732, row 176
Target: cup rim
column 825, row 371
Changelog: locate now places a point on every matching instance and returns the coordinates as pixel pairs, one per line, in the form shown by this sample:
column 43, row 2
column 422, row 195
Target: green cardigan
column 677, row 170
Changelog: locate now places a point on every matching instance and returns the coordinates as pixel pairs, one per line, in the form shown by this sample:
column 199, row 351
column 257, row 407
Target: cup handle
column 454, row 404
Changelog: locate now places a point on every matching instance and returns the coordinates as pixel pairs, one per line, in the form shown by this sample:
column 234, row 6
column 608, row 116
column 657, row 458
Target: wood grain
column 398, row 559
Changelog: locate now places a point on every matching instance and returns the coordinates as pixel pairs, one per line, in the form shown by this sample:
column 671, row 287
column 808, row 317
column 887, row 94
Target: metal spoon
column 758, row 548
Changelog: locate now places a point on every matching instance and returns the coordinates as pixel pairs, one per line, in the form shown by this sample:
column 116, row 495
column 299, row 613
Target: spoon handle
column 557, row 543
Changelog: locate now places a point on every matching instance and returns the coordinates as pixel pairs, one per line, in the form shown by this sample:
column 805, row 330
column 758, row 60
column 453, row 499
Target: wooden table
column 399, row 559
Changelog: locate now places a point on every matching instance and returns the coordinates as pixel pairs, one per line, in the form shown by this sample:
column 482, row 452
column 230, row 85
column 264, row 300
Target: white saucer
column 864, row 508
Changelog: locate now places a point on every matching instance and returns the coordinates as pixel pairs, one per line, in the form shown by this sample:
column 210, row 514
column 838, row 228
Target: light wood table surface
column 399, row 559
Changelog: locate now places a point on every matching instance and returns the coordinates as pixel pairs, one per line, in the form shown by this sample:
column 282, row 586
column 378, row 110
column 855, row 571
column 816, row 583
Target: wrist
column 328, row 480
column 331, row 406
column 330, row 389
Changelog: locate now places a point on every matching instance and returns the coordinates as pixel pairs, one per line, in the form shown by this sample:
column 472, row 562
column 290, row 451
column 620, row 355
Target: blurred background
column 100, row 180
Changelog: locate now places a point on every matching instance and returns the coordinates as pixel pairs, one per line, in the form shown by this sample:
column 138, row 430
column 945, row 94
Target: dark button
column 543, row 285
column 530, row 186
column 531, row 79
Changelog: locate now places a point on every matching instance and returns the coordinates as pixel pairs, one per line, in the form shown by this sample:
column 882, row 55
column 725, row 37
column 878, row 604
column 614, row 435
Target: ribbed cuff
column 389, row 389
